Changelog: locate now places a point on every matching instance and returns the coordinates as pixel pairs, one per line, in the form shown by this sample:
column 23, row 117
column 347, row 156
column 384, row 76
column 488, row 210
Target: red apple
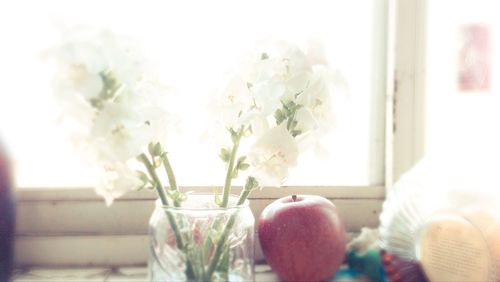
column 302, row 237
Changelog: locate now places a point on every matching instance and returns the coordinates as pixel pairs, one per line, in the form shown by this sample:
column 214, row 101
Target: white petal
column 260, row 125
column 306, row 120
column 267, row 96
column 272, row 155
column 116, row 180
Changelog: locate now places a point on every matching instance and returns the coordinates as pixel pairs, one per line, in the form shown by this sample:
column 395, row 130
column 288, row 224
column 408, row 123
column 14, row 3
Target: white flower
column 284, row 96
column 97, row 50
column 272, row 74
column 272, row 155
column 267, row 96
column 315, row 117
column 291, row 61
column 113, row 104
column 149, row 100
column 235, row 101
column 115, row 180
column 102, row 86
column 316, row 110
column 77, row 78
column 277, row 60
column 94, row 66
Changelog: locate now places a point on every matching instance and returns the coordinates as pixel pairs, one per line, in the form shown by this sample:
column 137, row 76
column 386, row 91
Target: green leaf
column 110, row 85
column 158, row 149
column 296, row 132
column 249, row 85
column 279, row 116
column 96, row 103
column 285, row 106
column 225, row 155
column 155, row 149
column 243, row 166
column 264, row 56
column 242, row 159
column 289, row 124
column 231, row 131
column 176, row 196
column 151, row 148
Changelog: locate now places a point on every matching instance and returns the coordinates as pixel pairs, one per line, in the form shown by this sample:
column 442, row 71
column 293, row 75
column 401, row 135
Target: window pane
column 195, row 44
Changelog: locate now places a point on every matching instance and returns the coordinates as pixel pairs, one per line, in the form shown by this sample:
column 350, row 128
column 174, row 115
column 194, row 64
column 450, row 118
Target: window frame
column 408, row 86
column 113, row 237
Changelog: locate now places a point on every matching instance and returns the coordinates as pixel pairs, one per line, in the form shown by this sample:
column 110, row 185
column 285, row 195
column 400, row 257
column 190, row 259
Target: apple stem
column 294, row 198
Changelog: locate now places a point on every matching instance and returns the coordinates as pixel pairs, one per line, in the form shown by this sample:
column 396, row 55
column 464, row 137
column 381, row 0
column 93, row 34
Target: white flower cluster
column 283, row 96
column 114, row 110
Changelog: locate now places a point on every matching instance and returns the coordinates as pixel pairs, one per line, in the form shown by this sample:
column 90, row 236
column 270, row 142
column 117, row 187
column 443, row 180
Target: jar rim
column 245, row 204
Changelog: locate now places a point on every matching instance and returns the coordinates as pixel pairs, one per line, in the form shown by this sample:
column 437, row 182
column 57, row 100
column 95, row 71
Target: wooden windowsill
column 262, row 273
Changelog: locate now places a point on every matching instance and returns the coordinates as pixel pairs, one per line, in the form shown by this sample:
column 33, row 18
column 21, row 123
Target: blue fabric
column 368, row 263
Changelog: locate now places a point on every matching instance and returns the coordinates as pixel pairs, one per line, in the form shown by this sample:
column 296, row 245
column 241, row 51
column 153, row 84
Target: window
column 194, row 43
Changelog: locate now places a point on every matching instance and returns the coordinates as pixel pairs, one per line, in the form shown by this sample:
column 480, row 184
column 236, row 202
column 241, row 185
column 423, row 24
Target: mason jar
column 200, row 241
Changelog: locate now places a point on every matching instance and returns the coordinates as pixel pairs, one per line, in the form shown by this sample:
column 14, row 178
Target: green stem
column 243, row 196
column 220, row 246
column 163, row 198
column 173, row 187
column 152, row 172
column 170, row 176
column 230, row 170
column 225, row 234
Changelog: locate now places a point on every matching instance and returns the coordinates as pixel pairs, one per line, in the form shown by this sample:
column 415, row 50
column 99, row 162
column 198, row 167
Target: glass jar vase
column 199, row 241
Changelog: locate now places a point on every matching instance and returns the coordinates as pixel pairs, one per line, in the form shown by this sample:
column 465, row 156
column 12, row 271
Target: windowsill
column 262, row 273
column 50, row 222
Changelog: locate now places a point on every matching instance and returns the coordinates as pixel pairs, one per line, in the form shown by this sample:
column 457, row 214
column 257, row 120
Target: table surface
column 262, row 273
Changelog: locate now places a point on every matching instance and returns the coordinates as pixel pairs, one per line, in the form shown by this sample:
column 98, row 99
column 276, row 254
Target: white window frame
column 408, row 84
column 73, row 227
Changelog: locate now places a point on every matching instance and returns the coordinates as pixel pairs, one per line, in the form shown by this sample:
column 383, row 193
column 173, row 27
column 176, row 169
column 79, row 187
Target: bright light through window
column 194, row 45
